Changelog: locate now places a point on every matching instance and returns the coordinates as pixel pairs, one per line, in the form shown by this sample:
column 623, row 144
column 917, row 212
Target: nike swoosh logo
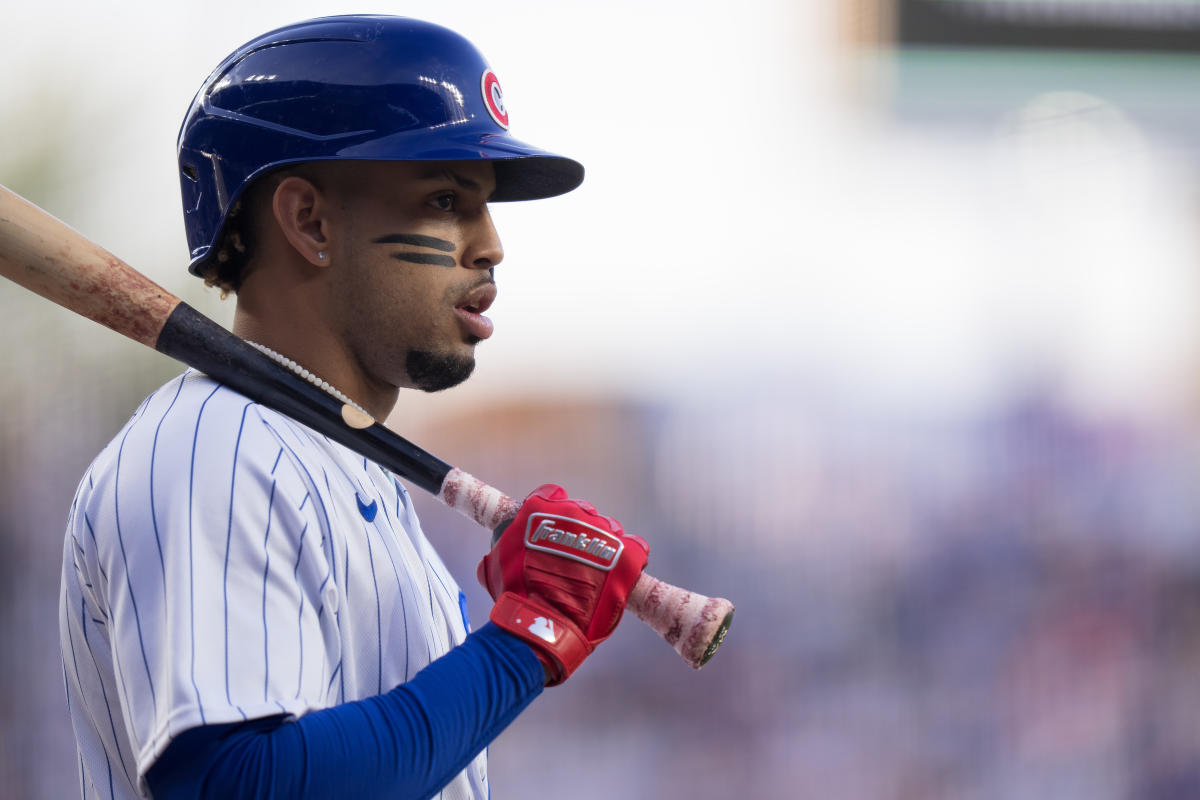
column 368, row 511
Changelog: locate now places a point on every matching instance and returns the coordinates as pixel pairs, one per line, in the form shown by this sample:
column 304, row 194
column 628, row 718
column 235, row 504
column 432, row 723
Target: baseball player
column 249, row 609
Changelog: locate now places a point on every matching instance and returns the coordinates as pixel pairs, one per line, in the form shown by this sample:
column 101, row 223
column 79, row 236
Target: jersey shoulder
column 190, row 436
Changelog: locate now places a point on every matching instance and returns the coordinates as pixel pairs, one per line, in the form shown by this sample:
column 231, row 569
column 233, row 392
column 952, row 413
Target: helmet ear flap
column 348, row 87
column 226, row 260
column 189, row 185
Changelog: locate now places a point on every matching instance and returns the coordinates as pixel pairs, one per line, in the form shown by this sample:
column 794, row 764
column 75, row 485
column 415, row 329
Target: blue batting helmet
column 351, row 87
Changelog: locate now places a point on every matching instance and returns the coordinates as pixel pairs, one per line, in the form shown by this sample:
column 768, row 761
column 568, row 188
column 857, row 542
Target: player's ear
column 301, row 210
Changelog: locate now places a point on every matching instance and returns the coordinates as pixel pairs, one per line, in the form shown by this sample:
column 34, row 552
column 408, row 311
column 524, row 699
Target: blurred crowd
column 1003, row 605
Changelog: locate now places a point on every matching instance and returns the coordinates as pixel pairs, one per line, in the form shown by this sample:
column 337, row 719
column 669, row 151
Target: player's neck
column 312, row 354
column 283, row 305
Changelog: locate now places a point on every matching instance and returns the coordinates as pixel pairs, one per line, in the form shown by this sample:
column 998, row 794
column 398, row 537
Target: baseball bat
column 48, row 257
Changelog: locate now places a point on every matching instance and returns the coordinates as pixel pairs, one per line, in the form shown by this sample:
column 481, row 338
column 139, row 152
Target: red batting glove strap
column 566, row 553
column 559, row 644
column 564, row 569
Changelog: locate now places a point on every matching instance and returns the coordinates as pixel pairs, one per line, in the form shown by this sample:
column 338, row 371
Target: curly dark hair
column 229, row 262
column 225, row 267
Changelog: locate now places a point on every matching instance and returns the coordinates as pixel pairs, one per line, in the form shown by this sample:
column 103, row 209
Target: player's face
column 414, row 257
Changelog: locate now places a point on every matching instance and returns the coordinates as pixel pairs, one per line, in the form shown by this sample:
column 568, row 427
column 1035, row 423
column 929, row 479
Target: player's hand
column 560, row 574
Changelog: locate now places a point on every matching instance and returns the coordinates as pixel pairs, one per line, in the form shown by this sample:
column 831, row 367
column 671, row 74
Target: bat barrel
column 48, row 257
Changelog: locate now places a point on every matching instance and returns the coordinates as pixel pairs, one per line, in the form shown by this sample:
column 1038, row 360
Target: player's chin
column 434, row 371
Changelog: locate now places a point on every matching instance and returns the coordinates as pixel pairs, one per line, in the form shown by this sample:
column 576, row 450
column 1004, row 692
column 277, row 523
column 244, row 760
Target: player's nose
column 484, row 250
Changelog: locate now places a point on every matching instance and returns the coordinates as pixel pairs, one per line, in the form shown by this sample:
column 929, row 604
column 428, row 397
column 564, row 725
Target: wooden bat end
column 716, row 639
column 693, row 624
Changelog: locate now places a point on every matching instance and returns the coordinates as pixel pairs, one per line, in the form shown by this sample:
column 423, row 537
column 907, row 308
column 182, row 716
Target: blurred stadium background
column 878, row 317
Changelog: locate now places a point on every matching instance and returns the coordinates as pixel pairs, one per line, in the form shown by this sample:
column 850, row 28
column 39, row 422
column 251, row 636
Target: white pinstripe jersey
column 223, row 562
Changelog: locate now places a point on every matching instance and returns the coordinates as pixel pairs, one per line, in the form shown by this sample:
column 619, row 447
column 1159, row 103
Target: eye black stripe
column 417, row 240
column 426, row 258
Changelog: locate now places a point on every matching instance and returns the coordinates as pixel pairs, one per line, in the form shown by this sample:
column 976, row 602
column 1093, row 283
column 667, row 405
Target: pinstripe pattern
column 217, row 567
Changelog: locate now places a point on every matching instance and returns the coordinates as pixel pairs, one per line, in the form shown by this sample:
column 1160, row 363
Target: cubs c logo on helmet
column 493, row 98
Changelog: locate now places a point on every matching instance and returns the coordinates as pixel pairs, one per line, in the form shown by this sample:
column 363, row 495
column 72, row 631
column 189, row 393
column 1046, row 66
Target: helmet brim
column 523, row 172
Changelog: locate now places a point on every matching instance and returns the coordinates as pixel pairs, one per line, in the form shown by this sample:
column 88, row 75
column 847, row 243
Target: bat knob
column 693, row 624
column 718, row 637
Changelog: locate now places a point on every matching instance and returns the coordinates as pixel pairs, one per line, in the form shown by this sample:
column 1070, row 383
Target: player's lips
column 470, row 310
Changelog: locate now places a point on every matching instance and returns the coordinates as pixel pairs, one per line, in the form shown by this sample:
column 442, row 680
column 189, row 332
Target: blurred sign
column 1148, row 25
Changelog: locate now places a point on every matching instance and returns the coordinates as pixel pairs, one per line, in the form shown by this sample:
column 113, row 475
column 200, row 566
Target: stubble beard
column 433, row 372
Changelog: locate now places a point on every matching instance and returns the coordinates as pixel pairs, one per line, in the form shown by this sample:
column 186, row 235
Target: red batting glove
column 560, row 574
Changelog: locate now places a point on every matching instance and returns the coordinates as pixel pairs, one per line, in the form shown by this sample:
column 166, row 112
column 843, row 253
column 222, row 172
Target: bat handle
column 691, row 623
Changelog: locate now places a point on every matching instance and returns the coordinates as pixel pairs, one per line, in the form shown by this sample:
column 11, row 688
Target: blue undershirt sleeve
column 408, row 742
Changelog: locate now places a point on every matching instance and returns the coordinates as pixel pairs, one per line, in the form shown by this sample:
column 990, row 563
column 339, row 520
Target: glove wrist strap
column 560, row 645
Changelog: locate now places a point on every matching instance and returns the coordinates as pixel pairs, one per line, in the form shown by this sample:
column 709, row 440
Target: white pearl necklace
column 283, row 360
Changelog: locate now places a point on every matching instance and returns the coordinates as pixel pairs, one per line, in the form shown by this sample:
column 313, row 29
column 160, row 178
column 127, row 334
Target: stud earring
column 321, row 255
